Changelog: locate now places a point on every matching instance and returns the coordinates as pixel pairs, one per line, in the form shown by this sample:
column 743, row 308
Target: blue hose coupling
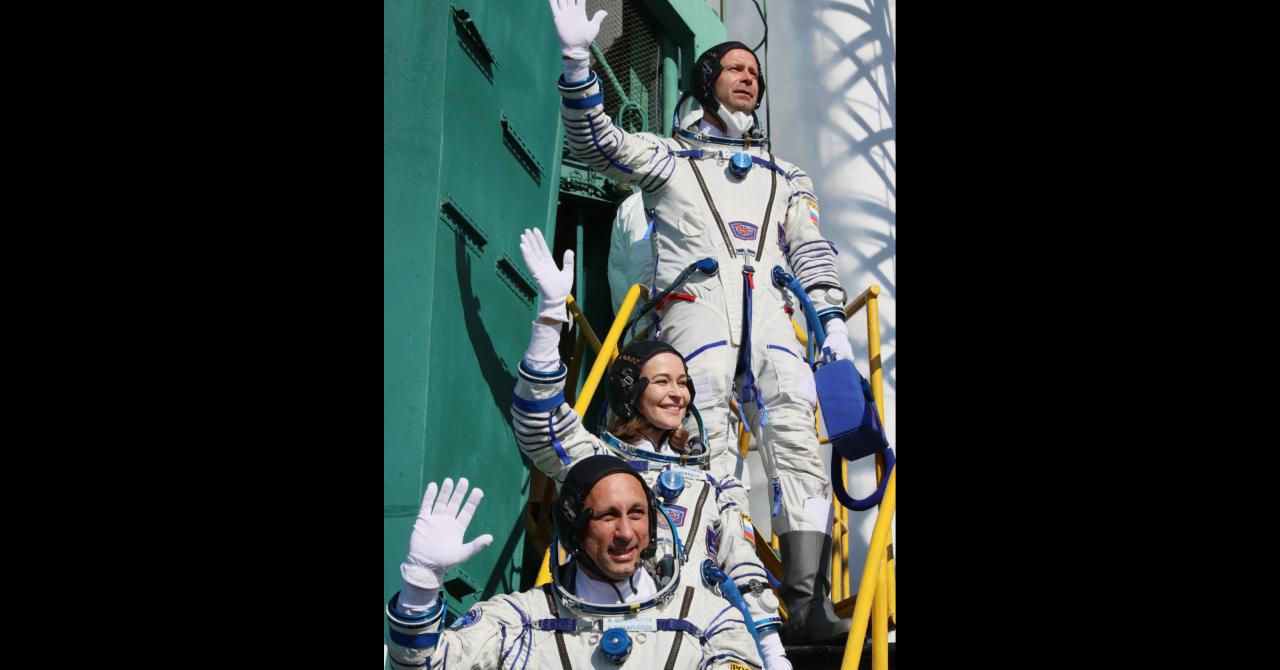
column 740, row 164
column 711, row 575
column 780, row 277
column 616, row 645
column 708, row 266
column 670, row 486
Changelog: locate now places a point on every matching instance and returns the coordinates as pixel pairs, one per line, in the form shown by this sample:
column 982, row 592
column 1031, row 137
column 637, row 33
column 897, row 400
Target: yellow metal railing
column 874, row 582
column 878, row 585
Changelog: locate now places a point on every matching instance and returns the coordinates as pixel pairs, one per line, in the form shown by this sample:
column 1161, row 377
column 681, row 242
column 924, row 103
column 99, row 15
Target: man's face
column 619, row 526
column 739, row 81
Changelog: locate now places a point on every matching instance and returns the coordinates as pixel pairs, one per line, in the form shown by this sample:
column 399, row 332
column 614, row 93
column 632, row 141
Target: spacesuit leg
column 801, row 489
column 701, row 334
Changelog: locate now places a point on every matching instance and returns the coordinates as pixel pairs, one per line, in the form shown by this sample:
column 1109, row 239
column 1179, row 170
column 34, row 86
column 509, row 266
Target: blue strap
column 679, row 625
column 750, row 390
column 561, row 624
column 424, row 641
column 769, row 164
column 535, row 406
column 584, row 103
column 777, row 497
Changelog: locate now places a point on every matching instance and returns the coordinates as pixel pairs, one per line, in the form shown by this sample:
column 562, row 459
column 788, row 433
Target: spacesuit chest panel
column 686, row 230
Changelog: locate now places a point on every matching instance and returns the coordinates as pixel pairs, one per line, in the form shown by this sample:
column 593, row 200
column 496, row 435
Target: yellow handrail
column 582, row 323
column 870, row 574
column 877, row 588
column 877, row 389
column 608, row 351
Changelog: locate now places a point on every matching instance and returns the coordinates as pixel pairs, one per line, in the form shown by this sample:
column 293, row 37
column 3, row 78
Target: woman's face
column 666, row 397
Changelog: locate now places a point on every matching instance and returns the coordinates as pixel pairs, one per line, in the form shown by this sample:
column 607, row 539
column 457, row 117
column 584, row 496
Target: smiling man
column 714, row 190
column 620, row 600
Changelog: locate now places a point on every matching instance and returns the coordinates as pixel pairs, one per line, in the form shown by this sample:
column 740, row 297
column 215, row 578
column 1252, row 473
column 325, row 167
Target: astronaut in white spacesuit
column 622, row 600
column 648, row 393
column 715, row 192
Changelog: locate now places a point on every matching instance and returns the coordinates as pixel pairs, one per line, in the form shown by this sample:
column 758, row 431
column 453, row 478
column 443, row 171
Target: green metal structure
column 472, row 155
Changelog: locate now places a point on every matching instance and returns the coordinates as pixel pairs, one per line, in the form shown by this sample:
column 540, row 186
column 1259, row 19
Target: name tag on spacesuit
column 690, row 473
column 641, row 624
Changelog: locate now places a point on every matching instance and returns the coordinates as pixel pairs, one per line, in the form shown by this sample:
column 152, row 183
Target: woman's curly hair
column 631, row 431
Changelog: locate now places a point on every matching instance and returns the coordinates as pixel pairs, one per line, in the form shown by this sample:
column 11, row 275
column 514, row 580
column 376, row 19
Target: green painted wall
column 471, row 156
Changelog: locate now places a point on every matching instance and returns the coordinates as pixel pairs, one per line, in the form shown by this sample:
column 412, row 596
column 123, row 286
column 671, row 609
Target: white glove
column 575, row 31
column 838, row 340
column 775, row 656
column 553, row 282
column 436, row 543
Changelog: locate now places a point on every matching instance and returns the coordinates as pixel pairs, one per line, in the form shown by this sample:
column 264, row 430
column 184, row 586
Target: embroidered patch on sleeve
column 747, row 531
column 473, row 615
column 813, row 210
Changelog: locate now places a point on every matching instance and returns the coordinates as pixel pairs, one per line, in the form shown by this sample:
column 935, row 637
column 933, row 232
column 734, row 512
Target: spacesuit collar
column 567, row 580
column 590, row 589
column 641, row 456
column 709, row 129
column 704, row 134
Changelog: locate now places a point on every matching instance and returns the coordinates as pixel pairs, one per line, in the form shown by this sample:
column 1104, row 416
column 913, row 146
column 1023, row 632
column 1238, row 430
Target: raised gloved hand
column 575, row 31
column 838, row 339
column 436, row 543
column 554, row 282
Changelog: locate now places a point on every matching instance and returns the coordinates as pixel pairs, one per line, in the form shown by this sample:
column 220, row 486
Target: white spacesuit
column 656, row 620
column 732, row 200
column 630, row 259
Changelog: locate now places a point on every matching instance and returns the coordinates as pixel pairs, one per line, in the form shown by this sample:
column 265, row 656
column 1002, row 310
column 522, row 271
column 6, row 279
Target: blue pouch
column 849, row 410
column 853, row 426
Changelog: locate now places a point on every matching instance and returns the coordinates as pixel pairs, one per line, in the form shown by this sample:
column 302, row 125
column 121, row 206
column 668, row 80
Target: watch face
column 835, row 296
column 769, row 601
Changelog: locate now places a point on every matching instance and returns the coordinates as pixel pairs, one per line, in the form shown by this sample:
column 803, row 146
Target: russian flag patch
column 747, row 531
column 813, row 210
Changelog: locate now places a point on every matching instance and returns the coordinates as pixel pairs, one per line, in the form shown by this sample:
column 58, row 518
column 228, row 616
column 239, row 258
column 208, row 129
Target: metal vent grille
column 630, row 42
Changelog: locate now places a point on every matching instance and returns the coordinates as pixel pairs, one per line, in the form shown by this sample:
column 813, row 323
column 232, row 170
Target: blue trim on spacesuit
column 535, row 406
column 704, row 348
column 577, row 85
column 784, row 349
column 595, row 140
column 423, row 641
column 540, row 377
column 584, row 103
